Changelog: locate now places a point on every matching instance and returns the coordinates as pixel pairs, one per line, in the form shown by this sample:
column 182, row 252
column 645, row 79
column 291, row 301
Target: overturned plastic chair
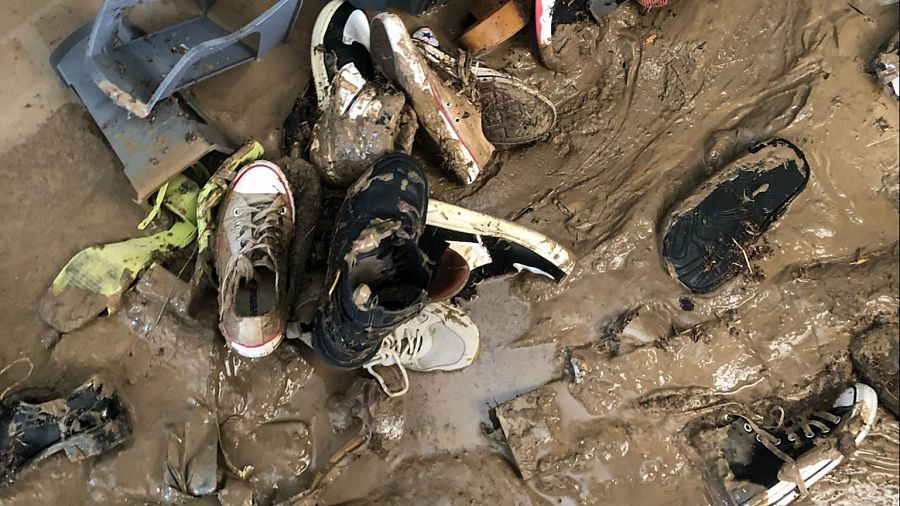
column 136, row 72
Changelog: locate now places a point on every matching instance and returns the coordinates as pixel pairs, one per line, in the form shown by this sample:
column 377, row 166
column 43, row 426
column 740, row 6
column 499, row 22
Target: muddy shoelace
column 393, row 351
column 260, row 242
column 772, row 443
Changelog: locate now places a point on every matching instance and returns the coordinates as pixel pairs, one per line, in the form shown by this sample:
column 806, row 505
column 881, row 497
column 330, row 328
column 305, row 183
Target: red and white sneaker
column 256, row 222
column 449, row 117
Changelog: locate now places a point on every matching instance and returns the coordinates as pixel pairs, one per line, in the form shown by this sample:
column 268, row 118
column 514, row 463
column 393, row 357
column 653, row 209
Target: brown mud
column 612, row 364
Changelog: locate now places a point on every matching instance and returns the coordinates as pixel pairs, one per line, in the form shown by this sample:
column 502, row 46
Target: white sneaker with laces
column 440, row 338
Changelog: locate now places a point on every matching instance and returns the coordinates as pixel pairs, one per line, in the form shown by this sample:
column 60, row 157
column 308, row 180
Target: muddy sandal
column 91, row 421
column 705, row 242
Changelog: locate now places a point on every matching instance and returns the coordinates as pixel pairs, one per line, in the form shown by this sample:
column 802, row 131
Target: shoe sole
column 504, row 101
column 317, row 53
column 257, row 351
column 389, row 39
column 784, row 492
column 457, row 219
column 703, row 245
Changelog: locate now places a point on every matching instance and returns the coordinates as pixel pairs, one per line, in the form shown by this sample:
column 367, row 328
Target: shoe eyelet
column 236, row 212
column 809, row 436
column 758, row 440
column 826, row 430
column 283, row 211
column 792, row 438
column 748, row 428
column 777, row 441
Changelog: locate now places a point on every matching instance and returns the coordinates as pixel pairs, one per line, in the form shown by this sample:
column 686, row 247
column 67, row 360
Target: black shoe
column 89, row 422
column 774, row 465
column 340, row 39
column 377, row 275
column 705, row 244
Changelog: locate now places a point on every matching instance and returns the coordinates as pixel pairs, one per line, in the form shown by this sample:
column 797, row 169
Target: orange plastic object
column 496, row 23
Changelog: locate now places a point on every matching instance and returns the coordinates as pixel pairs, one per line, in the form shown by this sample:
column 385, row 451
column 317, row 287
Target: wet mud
column 583, row 391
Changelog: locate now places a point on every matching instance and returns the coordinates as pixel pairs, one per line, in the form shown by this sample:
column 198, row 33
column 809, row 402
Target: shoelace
column 771, row 442
column 259, row 232
column 393, row 349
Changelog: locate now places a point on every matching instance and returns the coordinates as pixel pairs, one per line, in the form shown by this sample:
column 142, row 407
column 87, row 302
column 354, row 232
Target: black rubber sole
column 703, row 243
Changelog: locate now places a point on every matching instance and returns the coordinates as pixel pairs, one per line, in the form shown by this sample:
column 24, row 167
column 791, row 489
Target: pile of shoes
column 396, row 257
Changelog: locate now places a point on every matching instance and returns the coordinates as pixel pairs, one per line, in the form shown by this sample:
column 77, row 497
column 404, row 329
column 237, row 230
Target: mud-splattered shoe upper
column 377, row 275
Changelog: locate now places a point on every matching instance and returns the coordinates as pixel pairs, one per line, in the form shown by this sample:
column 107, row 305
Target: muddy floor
column 649, row 105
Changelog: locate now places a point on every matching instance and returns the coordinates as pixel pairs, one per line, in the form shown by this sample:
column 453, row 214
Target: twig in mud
column 861, row 13
column 746, row 258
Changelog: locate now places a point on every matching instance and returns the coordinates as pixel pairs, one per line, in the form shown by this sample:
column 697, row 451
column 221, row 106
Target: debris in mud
column 529, row 423
column 95, row 278
column 495, row 23
column 193, row 458
column 91, row 421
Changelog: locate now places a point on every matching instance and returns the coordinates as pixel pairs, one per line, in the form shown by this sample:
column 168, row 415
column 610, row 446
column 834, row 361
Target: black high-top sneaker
column 775, row 465
column 377, row 275
column 705, row 243
column 89, row 422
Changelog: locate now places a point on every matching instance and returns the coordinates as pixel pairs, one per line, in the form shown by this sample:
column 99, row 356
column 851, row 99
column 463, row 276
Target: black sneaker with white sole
column 775, row 465
column 90, row 421
column 377, row 275
column 706, row 237
column 493, row 246
column 340, row 40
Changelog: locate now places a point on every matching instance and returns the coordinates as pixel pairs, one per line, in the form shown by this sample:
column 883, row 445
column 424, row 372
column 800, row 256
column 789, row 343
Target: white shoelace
column 396, row 350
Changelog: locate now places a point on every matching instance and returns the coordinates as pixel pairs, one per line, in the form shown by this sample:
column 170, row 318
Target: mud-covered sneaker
column 440, row 338
column 256, row 222
column 511, row 111
column 450, row 118
column 549, row 15
column 377, row 275
column 494, row 246
column 90, row 421
column 775, row 465
column 340, row 40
